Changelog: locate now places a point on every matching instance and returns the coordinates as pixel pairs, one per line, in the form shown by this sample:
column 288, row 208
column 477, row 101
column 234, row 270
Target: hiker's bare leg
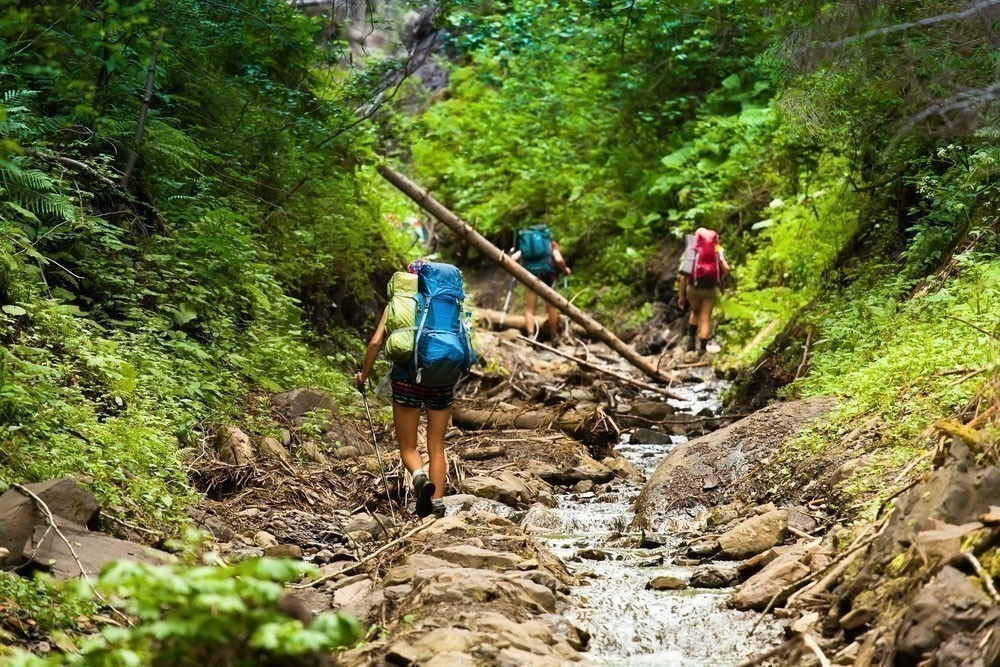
column 406, row 421
column 553, row 320
column 530, row 301
column 437, row 468
column 704, row 320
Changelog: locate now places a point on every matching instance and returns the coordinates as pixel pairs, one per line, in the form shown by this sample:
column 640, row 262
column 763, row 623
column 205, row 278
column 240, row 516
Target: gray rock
column 213, row 524
column 593, row 554
column 583, row 486
column 702, row 549
column 714, row 576
column 647, row 436
column 467, row 555
column 652, row 410
column 93, row 550
column 298, row 402
column 313, row 453
column 757, row 591
column 623, row 468
column 283, row 551
column 677, row 484
column 540, row 519
column 66, row 498
column 505, row 488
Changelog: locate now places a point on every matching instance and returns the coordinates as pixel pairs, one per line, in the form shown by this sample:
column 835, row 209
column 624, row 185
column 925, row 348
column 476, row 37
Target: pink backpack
column 707, row 271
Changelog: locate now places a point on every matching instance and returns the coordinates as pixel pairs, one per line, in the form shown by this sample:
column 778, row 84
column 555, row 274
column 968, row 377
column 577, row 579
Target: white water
column 633, row 626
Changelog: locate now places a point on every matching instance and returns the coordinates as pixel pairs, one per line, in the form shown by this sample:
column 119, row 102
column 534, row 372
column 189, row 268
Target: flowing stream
column 629, row 624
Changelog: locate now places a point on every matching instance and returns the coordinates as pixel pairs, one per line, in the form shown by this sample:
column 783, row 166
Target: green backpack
column 401, row 315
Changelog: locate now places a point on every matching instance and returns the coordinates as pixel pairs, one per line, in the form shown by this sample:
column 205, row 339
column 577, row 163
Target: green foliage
column 202, row 615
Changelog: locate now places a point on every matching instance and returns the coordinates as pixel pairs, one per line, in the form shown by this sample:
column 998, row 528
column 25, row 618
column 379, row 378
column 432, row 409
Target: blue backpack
column 442, row 348
column 535, row 244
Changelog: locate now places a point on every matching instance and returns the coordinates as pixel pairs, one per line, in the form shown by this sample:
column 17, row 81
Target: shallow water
column 629, row 624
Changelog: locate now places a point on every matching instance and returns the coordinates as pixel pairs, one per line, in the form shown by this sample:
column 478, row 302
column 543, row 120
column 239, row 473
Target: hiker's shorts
column 696, row 295
column 410, row 395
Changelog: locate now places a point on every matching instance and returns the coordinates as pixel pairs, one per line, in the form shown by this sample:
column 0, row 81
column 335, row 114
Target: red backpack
column 707, row 271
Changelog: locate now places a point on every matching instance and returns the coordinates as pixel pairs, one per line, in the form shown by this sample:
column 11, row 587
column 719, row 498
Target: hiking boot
column 437, row 508
column 423, row 489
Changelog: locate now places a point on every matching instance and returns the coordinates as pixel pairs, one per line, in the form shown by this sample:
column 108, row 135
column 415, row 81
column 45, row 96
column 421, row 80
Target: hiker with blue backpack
column 703, row 268
column 540, row 255
column 424, row 332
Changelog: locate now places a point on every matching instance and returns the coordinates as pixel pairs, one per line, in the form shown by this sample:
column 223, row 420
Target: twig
column 984, row 575
column 776, row 651
column 974, row 326
column 601, row 369
column 366, row 559
column 810, row 642
column 805, row 355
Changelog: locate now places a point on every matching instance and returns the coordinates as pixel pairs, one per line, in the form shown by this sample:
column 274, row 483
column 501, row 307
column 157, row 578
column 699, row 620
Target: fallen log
column 593, row 328
column 482, row 453
column 594, row 429
column 491, row 319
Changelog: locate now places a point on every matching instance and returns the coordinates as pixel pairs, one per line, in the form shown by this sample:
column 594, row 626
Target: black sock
column 703, row 342
column 693, row 330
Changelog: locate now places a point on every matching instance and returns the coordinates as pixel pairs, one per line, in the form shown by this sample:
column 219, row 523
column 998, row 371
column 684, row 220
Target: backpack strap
column 416, row 343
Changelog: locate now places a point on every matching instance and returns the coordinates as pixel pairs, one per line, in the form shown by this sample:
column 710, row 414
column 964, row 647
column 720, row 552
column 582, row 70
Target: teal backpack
column 535, row 244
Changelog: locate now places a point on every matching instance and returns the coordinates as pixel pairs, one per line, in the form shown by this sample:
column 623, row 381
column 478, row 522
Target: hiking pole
column 378, row 455
column 566, row 325
column 506, row 302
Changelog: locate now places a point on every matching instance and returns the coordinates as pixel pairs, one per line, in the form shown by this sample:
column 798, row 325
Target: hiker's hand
column 681, row 301
column 359, row 381
column 567, row 270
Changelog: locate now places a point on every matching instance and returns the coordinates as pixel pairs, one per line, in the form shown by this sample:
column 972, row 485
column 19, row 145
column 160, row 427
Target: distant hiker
column 540, row 255
column 703, row 268
column 424, row 333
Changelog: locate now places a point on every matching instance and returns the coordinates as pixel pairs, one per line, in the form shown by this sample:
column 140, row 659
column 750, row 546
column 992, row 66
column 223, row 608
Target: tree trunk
column 491, row 319
column 593, row 328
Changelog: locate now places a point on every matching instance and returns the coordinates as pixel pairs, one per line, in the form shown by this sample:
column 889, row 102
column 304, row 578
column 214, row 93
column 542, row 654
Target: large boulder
column 757, row 591
column 90, row 552
column 506, row 488
column 234, row 446
column 678, row 484
column 66, row 498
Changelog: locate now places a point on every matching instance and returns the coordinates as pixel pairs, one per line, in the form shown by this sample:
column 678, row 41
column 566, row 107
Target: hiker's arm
column 559, row 260
column 682, row 283
column 371, row 353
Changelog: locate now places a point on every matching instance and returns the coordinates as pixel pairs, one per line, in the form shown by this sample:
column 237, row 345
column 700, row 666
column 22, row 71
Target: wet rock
column 466, row 502
column 702, row 549
column 645, row 436
column 299, row 402
column 271, row 448
column 458, row 586
column 677, row 484
column 283, row 551
column 714, row 576
column 948, row 606
column 667, row 583
column 586, row 468
column 623, row 468
column 540, row 519
column 757, row 591
column 505, row 488
column 754, row 535
column 649, row 540
column 583, row 486
column 233, row 446
column 652, row 410
column 593, row 554
column 466, row 555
